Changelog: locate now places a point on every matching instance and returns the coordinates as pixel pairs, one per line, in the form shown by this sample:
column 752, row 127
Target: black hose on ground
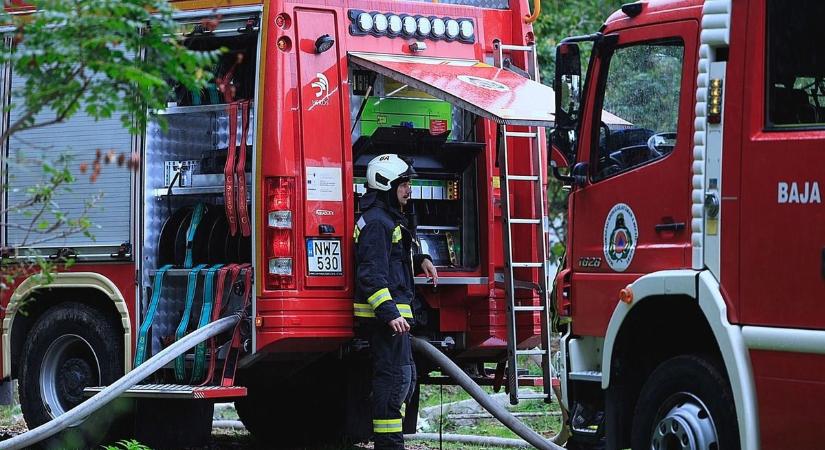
column 498, row 411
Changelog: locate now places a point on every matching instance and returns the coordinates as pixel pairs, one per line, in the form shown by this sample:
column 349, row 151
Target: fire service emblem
column 621, row 233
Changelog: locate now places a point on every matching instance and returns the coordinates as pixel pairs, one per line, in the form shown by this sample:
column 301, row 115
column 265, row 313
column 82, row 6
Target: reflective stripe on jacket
column 384, row 285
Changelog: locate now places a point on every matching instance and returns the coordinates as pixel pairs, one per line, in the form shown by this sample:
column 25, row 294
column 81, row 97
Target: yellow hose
column 536, row 12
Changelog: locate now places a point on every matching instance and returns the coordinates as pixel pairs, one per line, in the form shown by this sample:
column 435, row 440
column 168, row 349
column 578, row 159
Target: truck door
column 780, row 247
column 632, row 216
column 782, row 230
column 322, row 137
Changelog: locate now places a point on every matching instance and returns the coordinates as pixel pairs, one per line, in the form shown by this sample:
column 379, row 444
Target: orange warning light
column 626, row 295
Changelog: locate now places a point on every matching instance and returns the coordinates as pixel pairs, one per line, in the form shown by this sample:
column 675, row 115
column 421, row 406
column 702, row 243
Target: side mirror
column 579, row 174
column 567, row 86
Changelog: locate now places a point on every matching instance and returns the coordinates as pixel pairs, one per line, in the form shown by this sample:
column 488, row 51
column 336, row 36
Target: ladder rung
column 528, row 221
column 522, row 48
column 523, row 134
column 523, row 177
column 529, row 285
column 532, row 396
column 526, row 264
column 528, row 308
column 526, row 285
column 532, row 351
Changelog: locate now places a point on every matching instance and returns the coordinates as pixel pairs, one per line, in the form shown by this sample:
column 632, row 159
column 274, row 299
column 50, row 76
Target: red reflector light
column 279, row 193
column 281, row 243
column 280, row 251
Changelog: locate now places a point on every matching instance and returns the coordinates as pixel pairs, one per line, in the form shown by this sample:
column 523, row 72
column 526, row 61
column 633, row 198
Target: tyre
column 70, row 347
column 686, row 403
column 286, row 413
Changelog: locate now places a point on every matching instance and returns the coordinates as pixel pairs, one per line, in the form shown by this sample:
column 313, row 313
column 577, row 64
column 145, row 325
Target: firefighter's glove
column 399, row 325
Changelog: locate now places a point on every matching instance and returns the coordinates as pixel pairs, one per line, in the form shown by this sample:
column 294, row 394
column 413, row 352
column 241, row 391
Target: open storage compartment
column 391, row 117
column 190, row 168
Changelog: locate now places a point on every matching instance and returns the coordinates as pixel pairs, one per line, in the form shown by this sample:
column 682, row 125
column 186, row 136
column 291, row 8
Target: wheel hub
column 69, row 365
column 75, row 374
column 687, row 425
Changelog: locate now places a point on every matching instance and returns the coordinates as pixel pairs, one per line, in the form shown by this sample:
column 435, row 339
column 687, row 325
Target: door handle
column 823, row 262
column 673, row 226
column 64, row 253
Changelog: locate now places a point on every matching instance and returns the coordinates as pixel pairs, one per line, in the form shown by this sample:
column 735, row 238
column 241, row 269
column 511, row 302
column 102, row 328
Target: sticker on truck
column 621, row 233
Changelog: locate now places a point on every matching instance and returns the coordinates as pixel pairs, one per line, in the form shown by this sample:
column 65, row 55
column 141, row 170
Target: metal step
column 526, row 264
column 521, row 134
column 527, row 221
column 520, row 48
column 590, row 375
column 531, row 396
column 524, row 285
column 528, row 308
column 176, row 391
column 532, row 351
column 523, row 177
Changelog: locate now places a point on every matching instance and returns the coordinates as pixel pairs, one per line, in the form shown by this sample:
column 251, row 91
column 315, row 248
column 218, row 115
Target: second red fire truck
column 247, row 200
column 695, row 274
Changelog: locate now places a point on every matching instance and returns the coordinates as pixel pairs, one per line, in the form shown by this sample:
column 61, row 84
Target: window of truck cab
column 638, row 116
column 795, row 90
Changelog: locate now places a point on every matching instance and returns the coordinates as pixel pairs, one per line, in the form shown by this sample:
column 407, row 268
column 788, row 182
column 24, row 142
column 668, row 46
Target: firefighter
column 384, row 291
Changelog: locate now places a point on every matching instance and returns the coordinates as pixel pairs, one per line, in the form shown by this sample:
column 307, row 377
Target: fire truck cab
column 695, row 270
column 247, row 200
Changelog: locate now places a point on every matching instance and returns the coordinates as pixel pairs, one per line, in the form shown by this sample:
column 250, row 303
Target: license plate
column 324, row 257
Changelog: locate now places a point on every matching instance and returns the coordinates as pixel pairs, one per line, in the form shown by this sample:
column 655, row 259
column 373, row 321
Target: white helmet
column 384, row 169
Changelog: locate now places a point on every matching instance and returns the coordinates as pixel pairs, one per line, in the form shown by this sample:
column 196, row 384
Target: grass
column 9, row 415
column 547, row 425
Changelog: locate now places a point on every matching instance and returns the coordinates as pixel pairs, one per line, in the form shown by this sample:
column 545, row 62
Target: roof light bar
column 404, row 25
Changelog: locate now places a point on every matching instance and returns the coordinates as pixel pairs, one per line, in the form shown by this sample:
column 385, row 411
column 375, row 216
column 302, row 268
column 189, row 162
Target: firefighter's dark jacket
column 384, row 285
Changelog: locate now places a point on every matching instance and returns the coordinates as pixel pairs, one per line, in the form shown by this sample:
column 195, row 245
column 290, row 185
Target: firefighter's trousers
column 393, row 383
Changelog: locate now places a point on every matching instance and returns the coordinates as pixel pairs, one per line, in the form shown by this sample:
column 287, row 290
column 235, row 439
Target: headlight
column 467, row 29
column 452, row 29
column 424, row 26
column 395, row 24
column 409, row 25
column 381, row 22
column 439, row 27
column 365, row 22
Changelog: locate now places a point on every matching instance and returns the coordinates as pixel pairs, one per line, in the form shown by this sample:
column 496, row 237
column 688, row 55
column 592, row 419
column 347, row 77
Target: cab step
column 176, row 391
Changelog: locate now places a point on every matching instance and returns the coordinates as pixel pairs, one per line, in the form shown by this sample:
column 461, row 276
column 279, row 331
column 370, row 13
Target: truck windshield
column 642, row 89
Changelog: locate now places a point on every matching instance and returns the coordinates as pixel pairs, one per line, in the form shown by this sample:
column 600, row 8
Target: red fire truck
column 695, row 271
column 249, row 196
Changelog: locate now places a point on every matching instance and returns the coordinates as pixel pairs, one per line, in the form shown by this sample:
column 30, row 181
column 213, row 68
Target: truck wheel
column 70, row 347
column 685, row 404
column 288, row 412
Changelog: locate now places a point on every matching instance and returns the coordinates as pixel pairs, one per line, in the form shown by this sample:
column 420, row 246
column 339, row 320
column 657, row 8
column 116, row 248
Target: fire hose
column 498, row 411
column 101, row 399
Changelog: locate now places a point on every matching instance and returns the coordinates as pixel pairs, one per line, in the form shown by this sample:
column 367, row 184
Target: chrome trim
column 585, row 376
column 183, row 15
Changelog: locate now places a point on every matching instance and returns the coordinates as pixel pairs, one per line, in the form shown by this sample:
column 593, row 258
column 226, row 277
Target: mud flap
column 359, row 405
column 164, row 423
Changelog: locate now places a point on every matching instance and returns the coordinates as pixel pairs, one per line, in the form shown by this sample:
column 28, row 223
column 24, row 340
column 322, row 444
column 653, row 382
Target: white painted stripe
column 793, row 340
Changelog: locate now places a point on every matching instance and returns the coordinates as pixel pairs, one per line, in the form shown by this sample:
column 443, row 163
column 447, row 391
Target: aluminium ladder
column 534, row 136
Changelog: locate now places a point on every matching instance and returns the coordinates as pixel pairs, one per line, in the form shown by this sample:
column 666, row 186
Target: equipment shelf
column 220, row 107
